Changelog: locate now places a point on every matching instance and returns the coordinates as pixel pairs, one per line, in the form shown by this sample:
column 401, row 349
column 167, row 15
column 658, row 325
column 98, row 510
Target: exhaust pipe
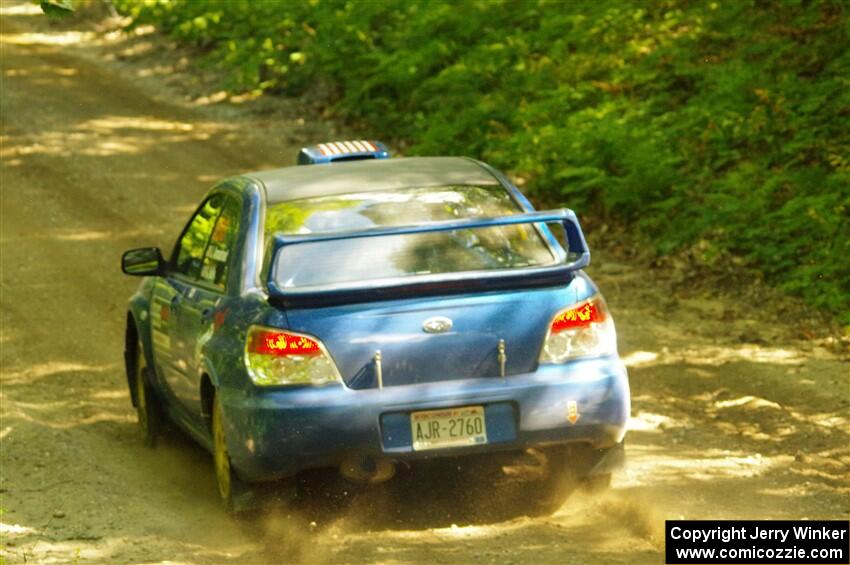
column 367, row 469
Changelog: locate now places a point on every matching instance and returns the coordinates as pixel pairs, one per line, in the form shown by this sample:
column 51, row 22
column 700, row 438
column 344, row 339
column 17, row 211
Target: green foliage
column 56, row 8
column 722, row 127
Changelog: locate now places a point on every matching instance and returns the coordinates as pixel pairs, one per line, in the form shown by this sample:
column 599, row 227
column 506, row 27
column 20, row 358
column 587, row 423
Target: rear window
column 320, row 264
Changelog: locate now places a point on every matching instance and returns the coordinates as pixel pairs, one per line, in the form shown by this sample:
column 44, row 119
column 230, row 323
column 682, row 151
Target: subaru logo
column 437, row 325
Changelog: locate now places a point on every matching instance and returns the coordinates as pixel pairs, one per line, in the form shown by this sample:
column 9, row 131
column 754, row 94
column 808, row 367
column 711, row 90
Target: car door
column 204, row 300
column 164, row 299
column 182, row 286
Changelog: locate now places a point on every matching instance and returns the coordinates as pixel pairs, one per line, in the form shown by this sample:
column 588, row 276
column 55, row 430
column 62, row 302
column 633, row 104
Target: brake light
column 274, row 357
column 281, row 343
column 582, row 330
column 579, row 317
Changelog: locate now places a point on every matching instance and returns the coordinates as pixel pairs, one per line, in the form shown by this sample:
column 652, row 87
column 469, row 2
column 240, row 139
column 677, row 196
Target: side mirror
column 143, row 262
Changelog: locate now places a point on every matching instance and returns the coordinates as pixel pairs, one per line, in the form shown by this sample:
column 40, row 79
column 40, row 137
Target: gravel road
column 733, row 417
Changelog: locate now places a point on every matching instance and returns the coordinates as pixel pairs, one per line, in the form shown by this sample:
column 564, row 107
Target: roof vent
column 335, row 151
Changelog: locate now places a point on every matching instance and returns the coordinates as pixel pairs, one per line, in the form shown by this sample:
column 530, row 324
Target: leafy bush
column 717, row 127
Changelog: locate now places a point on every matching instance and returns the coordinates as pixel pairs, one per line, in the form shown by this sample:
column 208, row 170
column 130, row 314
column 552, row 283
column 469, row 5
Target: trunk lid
column 352, row 333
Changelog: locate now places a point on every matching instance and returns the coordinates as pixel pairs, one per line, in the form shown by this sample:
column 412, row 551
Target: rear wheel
column 147, row 405
column 597, row 484
column 559, row 483
column 570, row 468
column 236, row 495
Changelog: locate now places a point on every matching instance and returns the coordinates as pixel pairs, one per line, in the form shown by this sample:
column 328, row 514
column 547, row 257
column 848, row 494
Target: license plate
column 449, row 427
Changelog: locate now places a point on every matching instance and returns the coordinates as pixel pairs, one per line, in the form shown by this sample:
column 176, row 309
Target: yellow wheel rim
column 222, row 459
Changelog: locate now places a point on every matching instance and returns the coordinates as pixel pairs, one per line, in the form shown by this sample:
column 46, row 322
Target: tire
column 148, row 409
column 236, row 495
column 569, row 469
column 560, row 482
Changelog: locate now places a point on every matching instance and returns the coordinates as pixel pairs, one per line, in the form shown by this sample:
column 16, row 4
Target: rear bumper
column 276, row 433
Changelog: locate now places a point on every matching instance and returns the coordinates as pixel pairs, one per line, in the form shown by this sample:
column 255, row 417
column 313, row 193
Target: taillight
column 274, row 357
column 581, row 330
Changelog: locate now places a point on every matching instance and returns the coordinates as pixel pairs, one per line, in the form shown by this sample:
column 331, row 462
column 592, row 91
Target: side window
column 193, row 243
column 221, row 245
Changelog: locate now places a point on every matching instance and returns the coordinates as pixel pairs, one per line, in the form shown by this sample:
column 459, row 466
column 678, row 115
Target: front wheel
column 148, row 409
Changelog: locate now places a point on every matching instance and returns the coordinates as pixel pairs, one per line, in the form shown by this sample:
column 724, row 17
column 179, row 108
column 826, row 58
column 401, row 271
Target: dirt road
column 732, row 418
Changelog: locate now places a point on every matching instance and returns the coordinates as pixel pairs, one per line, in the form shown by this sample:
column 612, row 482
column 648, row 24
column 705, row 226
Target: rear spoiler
column 578, row 257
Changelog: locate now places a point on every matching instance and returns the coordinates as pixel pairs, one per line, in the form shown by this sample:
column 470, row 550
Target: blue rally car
column 360, row 312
